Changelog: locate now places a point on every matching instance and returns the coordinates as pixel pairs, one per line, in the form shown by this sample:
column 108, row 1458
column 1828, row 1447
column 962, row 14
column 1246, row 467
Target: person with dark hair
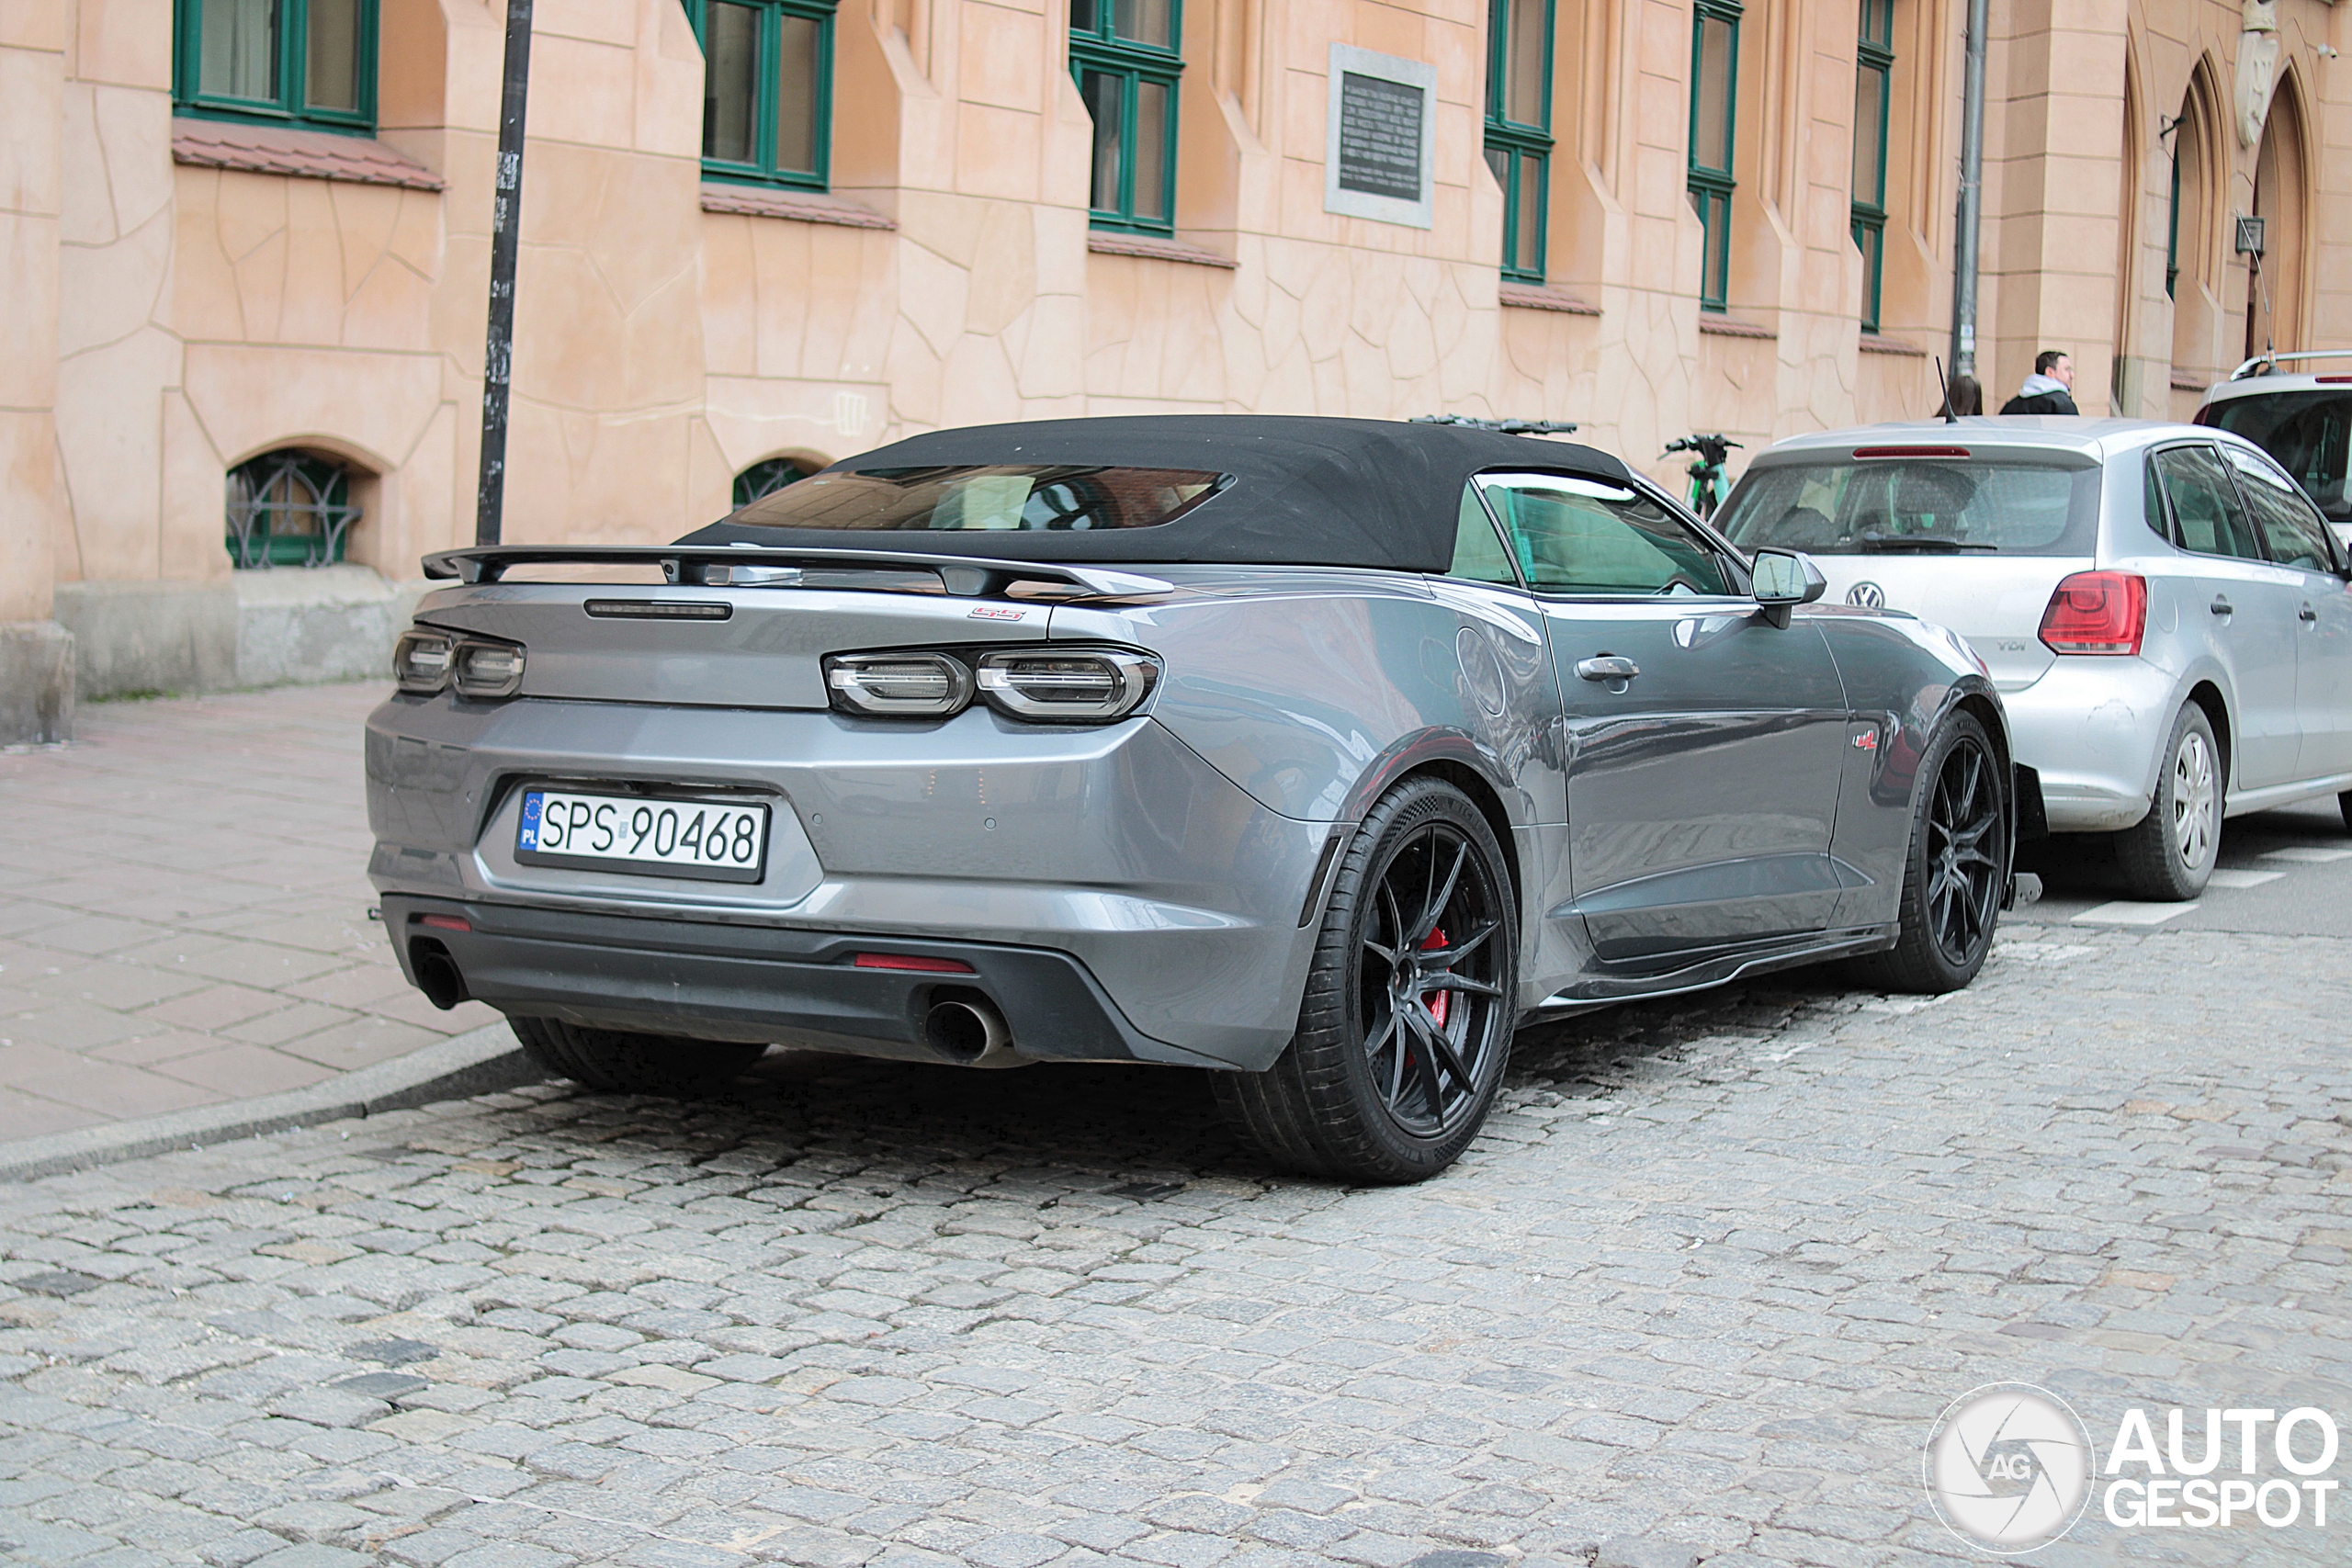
column 1962, row 399
column 2049, row 388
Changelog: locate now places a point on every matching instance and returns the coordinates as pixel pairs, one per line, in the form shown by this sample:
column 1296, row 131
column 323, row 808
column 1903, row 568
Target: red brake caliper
column 1439, row 1002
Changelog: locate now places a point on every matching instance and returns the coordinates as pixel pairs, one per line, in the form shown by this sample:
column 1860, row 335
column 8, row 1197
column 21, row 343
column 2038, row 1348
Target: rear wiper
column 1919, row 544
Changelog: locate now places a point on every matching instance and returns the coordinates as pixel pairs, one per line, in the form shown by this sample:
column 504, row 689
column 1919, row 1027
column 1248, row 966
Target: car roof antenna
column 1952, row 415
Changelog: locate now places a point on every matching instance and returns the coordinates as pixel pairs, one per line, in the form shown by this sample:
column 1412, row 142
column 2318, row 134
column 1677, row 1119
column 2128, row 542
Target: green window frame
column 1873, row 109
column 1126, row 57
column 1714, row 136
column 1519, row 128
column 306, row 64
column 767, row 105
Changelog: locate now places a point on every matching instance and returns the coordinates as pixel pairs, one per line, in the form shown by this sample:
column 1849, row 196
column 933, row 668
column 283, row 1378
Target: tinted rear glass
column 1925, row 507
column 994, row 499
column 2307, row 431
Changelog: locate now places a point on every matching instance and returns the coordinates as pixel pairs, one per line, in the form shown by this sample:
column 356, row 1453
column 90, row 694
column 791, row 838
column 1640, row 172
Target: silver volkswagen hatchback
column 1321, row 753
column 2164, row 611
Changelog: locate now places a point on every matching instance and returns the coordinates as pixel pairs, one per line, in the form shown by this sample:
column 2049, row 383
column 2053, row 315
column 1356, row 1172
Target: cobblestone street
column 1698, row 1293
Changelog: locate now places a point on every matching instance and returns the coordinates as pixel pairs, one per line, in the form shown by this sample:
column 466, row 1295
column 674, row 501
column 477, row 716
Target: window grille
column 1126, row 56
column 765, row 478
column 1715, row 119
column 1518, row 126
column 768, row 97
column 305, row 63
column 288, row 509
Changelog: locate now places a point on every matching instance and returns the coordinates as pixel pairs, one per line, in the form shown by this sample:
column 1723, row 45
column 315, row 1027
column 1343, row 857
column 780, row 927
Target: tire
column 1958, row 869
column 611, row 1062
column 2344, row 804
column 1387, row 1079
column 2169, row 856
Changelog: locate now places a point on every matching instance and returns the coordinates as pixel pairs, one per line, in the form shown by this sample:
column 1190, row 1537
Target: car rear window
column 2307, row 431
column 996, row 498
column 1914, row 506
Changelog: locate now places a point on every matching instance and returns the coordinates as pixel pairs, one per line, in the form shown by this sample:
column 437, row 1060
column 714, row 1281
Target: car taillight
column 898, row 686
column 2096, row 611
column 421, row 660
column 1090, row 687
column 488, row 670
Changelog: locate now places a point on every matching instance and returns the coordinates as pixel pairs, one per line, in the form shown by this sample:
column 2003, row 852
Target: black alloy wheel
column 1410, row 1002
column 1425, row 971
column 1958, row 869
column 1964, row 840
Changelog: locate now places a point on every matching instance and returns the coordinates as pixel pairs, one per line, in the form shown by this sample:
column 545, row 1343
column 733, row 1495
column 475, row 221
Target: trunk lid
column 1994, row 601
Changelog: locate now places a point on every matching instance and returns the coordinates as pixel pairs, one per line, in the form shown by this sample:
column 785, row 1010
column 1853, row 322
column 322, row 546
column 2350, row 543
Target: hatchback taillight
column 2096, row 611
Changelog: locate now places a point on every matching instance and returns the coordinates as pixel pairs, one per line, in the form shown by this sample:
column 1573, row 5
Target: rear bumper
column 765, row 986
column 2092, row 727
column 1118, row 853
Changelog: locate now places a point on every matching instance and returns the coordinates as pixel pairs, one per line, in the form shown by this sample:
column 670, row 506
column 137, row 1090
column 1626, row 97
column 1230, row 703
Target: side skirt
column 1606, row 991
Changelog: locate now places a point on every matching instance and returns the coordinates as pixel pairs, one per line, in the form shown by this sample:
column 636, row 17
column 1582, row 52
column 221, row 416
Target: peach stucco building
column 246, row 252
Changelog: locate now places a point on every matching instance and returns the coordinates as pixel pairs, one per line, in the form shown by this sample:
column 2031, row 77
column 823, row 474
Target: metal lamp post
column 506, row 225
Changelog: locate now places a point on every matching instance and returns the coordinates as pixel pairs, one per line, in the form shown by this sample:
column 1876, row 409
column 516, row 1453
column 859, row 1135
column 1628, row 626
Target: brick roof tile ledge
column 306, row 154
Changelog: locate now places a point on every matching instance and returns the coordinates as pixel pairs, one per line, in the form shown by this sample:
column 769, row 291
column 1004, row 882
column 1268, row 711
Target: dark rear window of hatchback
column 1918, row 505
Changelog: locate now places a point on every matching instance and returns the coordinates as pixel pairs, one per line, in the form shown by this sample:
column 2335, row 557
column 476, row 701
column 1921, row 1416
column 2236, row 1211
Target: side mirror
column 1782, row 581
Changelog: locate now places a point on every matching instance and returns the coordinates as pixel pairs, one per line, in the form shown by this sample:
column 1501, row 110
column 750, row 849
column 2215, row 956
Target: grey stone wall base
column 36, row 682
column 286, row 626
column 480, row 1061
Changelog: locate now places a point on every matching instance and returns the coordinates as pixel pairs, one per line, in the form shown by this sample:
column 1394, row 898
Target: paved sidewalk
column 183, row 912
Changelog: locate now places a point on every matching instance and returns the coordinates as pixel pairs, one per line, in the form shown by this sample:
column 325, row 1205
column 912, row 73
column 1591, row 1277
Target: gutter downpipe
column 1972, row 175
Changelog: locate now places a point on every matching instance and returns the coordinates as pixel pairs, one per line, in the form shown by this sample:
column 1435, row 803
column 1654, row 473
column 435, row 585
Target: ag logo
column 2008, row 1467
column 1869, row 596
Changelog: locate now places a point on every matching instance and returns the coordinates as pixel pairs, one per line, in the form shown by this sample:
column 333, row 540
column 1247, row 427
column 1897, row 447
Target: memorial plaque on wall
column 1380, row 145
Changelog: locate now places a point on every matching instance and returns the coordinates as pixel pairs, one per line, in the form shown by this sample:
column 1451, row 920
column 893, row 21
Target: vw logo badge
column 1869, row 596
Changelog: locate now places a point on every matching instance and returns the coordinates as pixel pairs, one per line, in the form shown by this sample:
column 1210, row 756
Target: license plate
column 644, row 836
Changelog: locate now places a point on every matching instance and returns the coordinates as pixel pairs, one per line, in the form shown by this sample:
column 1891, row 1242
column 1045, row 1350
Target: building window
column 1518, row 126
column 766, row 477
column 1714, row 112
column 1125, row 56
column 306, row 62
column 767, row 89
column 288, row 508
column 1873, row 102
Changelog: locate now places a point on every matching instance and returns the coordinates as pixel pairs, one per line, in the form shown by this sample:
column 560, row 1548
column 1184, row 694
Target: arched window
column 288, row 508
column 768, row 476
column 2191, row 244
column 2274, row 310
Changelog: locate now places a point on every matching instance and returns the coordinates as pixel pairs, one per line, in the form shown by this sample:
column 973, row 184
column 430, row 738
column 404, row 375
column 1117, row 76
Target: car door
column 1702, row 743
column 2299, row 540
column 2250, row 605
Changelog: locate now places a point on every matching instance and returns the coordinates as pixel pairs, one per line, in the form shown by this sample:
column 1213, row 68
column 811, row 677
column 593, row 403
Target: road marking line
column 2225, row 878
column 2124, row 912
column 2302, row 856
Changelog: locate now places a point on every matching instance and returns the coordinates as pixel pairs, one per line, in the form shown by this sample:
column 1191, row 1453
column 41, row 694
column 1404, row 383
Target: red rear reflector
column 1910, row 452
column 2096, row 611
column 445, row 922
column 909, row 961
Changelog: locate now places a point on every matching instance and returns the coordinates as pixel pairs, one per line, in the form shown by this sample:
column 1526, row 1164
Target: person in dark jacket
column 2050, row 390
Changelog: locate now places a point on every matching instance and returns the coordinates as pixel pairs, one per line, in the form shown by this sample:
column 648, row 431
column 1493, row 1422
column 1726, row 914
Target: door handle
column 1608, row 667
column 2307, row 613
column 2221, row 605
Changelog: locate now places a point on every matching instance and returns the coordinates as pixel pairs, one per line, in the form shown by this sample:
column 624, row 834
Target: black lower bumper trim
column 765, row 983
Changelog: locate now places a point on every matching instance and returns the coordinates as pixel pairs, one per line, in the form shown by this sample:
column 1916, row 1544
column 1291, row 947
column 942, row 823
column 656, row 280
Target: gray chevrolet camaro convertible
column 1323, row 753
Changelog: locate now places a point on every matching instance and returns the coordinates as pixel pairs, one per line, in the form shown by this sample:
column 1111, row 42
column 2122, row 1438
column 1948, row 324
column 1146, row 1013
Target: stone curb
column 480, row 1061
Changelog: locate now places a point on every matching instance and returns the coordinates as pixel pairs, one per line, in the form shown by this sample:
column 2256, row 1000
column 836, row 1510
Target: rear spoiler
column 711, row 565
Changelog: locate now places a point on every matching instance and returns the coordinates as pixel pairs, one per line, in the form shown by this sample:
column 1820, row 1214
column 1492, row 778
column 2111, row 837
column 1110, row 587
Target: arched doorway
column 2189, row 244
column 2274, row 306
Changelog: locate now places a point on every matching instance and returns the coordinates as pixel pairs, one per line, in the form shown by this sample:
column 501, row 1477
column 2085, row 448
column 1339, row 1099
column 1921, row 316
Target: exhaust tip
column 437, row 974
column 965, row 1027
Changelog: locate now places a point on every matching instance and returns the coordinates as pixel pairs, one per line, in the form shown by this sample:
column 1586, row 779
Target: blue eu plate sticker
column 529, row 838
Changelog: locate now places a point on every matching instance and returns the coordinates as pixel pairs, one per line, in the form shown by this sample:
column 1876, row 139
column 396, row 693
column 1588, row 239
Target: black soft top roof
column 1306, row 492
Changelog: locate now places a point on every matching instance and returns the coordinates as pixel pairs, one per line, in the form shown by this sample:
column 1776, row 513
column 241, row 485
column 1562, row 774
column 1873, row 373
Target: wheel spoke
column 1450, row 956
column 1439, row 896
column 1441, row 1046
column 1460, row 983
